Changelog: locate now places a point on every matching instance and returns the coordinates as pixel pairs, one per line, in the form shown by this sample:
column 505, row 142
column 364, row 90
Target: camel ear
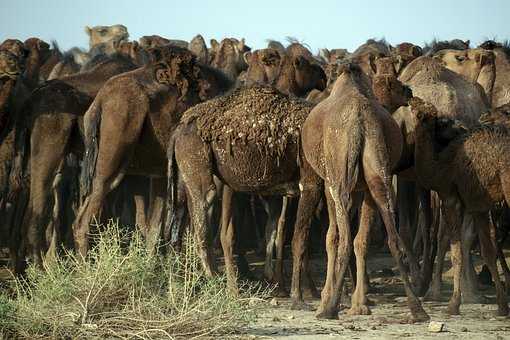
column 88, row 30
column 300, row 62
column 247, row 57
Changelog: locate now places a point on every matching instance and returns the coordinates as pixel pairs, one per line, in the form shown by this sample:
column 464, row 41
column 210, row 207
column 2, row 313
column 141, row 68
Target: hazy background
column 324, row 23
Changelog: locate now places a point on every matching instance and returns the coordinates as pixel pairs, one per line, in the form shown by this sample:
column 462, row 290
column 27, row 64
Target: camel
column 152, row 41
column 103, row 38
column 436, row 45
column 254, row 151
column 56, row 109
column 456, row 97
column 475, row 64
column 500, row 93
column 289, row 74
column 470, row 175
column 404, row 54
column 353, row 144
column 135, row 113
column 228, row 57
column 12, row 199
column 199, row 48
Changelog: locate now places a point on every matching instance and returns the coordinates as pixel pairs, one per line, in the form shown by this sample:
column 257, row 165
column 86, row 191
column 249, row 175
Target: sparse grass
column 124, row 291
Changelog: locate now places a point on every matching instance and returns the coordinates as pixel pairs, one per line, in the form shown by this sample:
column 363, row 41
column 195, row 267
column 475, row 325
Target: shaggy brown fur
column 470, row 175
column 353, row 143
column 271, row 121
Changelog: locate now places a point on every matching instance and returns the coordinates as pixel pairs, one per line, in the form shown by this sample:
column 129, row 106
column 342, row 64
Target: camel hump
column 257, row 115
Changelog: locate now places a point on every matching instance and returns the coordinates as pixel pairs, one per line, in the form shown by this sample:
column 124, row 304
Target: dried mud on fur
column 258, row 115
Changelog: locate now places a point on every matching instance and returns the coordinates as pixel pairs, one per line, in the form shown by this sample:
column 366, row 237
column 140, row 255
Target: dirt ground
column 389, row 315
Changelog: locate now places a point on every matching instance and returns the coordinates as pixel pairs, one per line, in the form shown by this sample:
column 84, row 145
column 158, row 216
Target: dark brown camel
column 470, row 174
column 128, row 126
column 353, row 143
column 54, row 114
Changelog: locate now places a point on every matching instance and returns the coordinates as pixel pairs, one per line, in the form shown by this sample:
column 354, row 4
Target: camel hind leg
column 194, row 161
column 377, row 176
column 118, row 133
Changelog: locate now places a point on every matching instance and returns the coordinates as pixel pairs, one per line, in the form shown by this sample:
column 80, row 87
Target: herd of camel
column 413, row 139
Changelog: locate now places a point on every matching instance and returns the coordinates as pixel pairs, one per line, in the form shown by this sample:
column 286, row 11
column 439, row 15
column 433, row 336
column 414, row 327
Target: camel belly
column 250, row 168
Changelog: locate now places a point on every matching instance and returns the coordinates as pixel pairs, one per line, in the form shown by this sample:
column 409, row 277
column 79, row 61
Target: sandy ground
column 389, row 315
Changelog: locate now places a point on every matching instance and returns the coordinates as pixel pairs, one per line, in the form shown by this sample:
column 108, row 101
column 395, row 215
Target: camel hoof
column 327, row 314
column 502, row 311
column 453, row 309
column 301, row 305
column 359, row 310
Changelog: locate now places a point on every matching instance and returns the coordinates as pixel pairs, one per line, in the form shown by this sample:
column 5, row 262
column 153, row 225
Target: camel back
column 258, row 115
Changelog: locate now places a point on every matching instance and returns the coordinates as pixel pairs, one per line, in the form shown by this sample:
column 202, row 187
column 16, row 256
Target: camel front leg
column 308, row 200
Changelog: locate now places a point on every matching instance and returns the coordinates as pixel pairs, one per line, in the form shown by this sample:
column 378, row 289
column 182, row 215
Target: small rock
column 276, row 319
column 290, row 317
column 373, row 328
column 350, row 327
column 274, row 302
column 401, row 299
column 464, row 329
column 436, row 326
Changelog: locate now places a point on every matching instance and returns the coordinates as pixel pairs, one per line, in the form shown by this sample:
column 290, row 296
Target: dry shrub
column 125, row 291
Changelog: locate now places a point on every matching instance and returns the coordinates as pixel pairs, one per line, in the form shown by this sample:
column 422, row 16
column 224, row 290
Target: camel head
column 36, row 44
column 476, row 65
column 176, row 67
column 403, row 54
column 229, row 57
column 10, row 65
column 199, row 48
column 16, row 47
column 106, row 34
column 308, row 75
column 263, row 66
column 388, row 90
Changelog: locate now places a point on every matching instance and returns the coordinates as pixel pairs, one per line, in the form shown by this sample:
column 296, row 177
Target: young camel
column 353, row 143
column 470, row 174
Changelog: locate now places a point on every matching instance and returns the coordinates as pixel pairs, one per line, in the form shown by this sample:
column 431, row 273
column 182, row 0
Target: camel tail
column 176, row 200
column 93, row 123
column 352, row 162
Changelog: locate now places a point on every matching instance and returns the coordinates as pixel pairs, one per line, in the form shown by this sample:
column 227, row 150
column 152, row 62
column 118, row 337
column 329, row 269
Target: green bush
column 124, row 291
